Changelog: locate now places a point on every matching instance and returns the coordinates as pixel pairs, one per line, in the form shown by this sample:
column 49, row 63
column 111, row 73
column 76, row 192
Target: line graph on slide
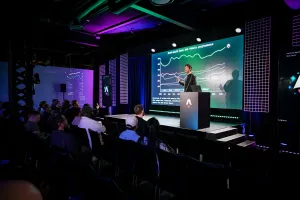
column 204, row 70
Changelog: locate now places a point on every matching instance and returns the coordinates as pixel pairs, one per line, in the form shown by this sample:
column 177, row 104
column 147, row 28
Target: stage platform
column 218, row 131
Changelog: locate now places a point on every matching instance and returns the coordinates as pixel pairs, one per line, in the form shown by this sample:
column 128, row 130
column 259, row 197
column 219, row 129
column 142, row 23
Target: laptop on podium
column 196, row 88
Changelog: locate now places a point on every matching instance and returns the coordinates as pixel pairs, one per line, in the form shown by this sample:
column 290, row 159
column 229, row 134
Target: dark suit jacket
column 188, row 82
column 142, row 128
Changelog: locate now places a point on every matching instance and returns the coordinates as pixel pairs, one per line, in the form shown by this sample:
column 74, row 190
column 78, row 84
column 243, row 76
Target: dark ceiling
column 81, row 27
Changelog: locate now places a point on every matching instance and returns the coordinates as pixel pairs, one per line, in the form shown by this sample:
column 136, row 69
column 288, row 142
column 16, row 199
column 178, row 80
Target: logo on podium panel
column 188, row 103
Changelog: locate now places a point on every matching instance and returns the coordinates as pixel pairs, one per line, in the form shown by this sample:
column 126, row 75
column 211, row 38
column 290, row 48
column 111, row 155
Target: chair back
column 80, row 135
column 202, row 178
column 109, row 149
column 127, row 155
column 96, row 144
column 147, row 164
column 214, row 152
column 188, row 145
column 172, row 168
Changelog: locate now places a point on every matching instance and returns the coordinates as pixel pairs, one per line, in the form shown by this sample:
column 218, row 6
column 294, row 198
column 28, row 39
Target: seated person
column 77, row 112
column 153, row 141
column 32, row 125
column 142, row 124
column 19, row 190
column 130, row 132
column 88, row 123
column 62, row 139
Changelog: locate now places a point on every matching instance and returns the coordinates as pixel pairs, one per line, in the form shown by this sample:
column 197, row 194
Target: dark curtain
column 139, row 69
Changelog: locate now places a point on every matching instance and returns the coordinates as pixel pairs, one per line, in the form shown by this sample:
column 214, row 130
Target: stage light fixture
column 161, row 2
column 153, row 50
column 198, row 39
column 97, row 37
column 174, row 45
column 238, row 30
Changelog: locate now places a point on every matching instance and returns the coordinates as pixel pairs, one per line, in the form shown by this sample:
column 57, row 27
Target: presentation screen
column 289, row 85
column 217, row 65
column 79, row 84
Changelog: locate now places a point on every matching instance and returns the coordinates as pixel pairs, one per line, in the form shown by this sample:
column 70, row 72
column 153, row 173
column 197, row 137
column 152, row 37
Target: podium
column 195, row 110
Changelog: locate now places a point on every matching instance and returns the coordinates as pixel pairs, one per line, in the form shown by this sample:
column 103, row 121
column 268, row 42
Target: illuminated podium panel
column 195, row 110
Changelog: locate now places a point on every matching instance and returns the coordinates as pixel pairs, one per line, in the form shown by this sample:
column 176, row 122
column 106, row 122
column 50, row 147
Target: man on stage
column 189, row 80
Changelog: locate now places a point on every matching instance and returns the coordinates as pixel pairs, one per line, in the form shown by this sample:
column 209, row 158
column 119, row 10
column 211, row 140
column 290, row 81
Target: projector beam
column 154, row 14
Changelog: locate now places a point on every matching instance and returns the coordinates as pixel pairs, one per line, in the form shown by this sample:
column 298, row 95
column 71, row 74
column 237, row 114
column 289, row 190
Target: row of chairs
column 268, row 168
column 181, row 175
column 264, row 168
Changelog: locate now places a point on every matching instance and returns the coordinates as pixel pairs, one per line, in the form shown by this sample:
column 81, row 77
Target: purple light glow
column 79, row 84
column 108, row 19
column 293, row 4
column 143, row 24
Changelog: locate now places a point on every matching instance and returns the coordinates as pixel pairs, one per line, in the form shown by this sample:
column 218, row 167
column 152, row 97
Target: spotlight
column 198, row 39
column 97, row 37
column 153, row 50
column 238, row 30
column 174, row 45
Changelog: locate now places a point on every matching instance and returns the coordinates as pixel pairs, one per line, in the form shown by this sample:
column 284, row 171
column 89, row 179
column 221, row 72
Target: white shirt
column 88, row 123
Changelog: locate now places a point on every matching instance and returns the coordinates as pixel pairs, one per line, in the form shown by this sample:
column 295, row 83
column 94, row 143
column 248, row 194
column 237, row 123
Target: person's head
column 60, row 122
column 42, row 104
column 131, row 123
column 75, row 103
column 47, row 108
column 77, row 111
column 235, row 74
column 19, row 190
column 34, row 116
column 87, row 111
column 66, row 104
column 188, row 68
column 153, row 131
column 54, row 104
column 139, row 110
column 153, row 125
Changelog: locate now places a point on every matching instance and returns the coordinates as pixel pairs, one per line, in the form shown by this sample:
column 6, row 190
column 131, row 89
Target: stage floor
column 171, row 121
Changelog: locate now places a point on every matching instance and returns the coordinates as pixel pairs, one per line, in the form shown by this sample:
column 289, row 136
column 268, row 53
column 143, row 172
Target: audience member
column 71, row 113
column 130, row 132
column 32, row 123
column 77, row 118
column 153, row 141
column 88, row 123
column 62, row 139
column 65, row 106
column 87, row 111
column 41, row 107
column 19, row 190
column 142, row 124
column 54, row 105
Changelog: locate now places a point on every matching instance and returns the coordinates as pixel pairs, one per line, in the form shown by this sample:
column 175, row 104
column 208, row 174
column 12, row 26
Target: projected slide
column 217, row 65
column 79, row 84
column 289, row 85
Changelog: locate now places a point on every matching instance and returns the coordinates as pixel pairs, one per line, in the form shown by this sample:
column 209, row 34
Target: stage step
column 234, row 139
column 221, row 133
column 246, row 143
